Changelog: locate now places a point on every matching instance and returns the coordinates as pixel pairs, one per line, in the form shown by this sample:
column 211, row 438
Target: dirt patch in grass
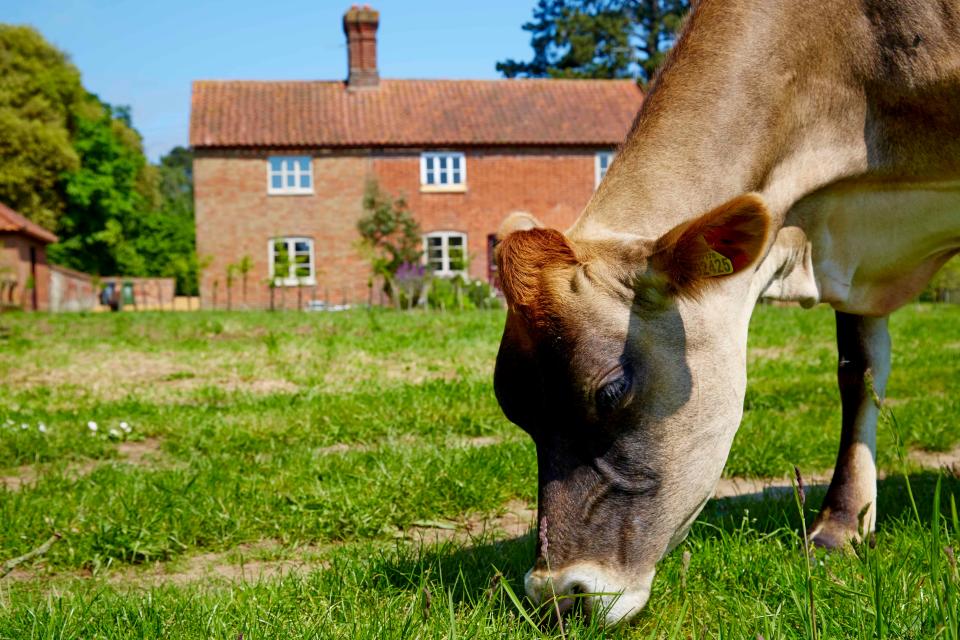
column 141, row 453
column 765, row 487
column 937, row 459
column 405, row 440
column 770, row 487
column 245, row 563
column 101, row 371
column 512, row 520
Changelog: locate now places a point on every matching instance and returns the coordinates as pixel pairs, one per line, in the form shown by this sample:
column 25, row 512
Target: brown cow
column 806, row 151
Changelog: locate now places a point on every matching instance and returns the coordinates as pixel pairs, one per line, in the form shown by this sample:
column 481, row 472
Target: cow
column 802, row 151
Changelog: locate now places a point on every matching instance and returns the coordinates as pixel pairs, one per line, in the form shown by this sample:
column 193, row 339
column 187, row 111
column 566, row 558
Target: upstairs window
column 292, row 262
column 446, row 252
column 289, row 175
column 443, row 170
column 604, row 158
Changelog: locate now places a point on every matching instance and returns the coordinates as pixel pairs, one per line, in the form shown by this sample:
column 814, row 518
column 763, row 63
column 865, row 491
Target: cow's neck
column 736, row 110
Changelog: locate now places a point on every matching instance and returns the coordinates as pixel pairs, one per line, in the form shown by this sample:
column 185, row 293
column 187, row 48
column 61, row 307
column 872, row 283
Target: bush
column 461, row 293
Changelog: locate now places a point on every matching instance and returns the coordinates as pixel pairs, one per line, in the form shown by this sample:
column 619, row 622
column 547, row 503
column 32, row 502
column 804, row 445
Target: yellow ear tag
column 715, row 264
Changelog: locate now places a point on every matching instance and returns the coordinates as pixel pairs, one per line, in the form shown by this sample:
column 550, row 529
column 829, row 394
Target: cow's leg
column 863, row 346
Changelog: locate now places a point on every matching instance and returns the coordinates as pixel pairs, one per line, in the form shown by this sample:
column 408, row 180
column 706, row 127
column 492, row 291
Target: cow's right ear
column 526, row 250
column 517, row 221
column 720, row 243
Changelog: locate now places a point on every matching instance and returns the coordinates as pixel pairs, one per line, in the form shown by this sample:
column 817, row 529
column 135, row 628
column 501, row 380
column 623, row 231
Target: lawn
column 350, row 475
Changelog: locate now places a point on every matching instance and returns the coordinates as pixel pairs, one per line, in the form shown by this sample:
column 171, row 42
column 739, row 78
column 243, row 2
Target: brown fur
column 524, row 259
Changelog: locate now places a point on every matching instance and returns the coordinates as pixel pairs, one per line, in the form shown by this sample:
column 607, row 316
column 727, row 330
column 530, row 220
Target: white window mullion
column 437, row 170
column 289, row 168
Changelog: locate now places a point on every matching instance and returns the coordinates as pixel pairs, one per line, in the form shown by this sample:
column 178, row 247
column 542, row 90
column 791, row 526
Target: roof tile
column 412, row 113
column 13, row 222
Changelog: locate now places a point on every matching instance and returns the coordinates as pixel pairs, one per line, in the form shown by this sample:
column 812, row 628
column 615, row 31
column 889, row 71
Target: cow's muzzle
column 611, row 597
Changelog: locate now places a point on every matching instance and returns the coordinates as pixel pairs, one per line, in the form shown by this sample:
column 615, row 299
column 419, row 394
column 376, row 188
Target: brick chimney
column 360, row 24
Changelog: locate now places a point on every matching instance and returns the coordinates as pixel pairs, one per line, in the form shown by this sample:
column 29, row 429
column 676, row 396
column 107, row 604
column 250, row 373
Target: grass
column 273, row 437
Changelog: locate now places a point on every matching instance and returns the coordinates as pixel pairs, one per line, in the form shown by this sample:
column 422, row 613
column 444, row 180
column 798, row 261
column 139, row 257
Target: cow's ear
column 517, row 221
column 720, row 243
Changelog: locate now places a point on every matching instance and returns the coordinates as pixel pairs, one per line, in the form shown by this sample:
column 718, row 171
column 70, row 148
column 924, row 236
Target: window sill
column 443, row 188
column 290, row 193
column 303, row 282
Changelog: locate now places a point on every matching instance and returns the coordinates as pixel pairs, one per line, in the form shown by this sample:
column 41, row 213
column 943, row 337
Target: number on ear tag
column 715, row 264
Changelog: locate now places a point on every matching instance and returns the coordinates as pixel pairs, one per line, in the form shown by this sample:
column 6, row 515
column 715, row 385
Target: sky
column 145, row 53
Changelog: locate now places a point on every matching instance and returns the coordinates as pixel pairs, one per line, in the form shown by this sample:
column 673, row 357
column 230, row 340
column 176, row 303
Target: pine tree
column 598, row 38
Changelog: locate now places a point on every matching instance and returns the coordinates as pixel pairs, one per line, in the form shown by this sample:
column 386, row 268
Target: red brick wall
column 71, row 290
column 15, row 262
column 552, row 185
column 236, row 217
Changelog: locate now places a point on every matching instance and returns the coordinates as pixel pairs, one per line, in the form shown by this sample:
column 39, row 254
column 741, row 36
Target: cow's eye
column 610, row 395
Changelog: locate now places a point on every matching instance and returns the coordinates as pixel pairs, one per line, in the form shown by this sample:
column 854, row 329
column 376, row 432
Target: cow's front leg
column 863, row 346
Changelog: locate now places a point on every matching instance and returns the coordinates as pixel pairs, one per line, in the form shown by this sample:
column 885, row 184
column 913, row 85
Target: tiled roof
column 412, row 113
column 11, row 221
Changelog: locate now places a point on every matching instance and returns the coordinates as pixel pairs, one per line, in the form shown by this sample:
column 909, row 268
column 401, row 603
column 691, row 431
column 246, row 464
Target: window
column 291, row 261
column 604, row 158
column 289, row 175
column 443, row 171
column 446, row 252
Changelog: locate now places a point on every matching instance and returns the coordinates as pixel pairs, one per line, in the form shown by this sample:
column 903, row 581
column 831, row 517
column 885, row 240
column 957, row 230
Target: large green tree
column 40, row 92
column 105, row 197
column 598, row 38
column 167, row 237
column 75, row 164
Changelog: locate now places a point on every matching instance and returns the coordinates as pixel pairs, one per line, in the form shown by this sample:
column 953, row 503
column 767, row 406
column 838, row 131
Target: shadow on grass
column 469, row 570
column 777, row 509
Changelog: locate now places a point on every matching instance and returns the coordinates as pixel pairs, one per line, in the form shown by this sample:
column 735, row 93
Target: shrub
column 461, row 293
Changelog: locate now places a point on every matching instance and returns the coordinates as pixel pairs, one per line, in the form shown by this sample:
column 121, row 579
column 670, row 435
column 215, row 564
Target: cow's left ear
column 720, row 243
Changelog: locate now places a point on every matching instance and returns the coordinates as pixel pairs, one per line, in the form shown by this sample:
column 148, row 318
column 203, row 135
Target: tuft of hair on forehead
column 523, row 259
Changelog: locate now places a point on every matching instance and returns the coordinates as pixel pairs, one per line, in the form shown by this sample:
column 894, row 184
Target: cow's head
column 622, row 359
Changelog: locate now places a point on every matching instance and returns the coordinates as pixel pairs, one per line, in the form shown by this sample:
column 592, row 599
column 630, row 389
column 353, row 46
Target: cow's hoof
column 834, row 531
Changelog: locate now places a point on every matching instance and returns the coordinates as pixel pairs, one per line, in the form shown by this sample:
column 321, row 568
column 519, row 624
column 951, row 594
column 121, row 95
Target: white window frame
column 445, row 271
column 291, row 280
column 450, row 185
column 285, row 171
column 599, row 170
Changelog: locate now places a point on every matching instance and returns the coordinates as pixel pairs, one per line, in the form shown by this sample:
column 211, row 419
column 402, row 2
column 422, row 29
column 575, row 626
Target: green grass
column 287, row 435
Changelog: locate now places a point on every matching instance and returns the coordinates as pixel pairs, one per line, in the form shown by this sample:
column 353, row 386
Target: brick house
column 24, row 272
column 280, row 167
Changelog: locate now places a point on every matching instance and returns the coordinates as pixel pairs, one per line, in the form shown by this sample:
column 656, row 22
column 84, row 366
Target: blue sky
column 145, row 53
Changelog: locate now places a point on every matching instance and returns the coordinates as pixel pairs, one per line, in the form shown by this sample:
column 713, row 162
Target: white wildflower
column 114, row 433
column 92, row 426
column 125, row 427
column 42, row 428
column 24, row 426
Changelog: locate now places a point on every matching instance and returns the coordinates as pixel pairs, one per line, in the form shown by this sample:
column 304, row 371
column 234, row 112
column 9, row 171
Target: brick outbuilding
column 280, row 167
column 24, row 272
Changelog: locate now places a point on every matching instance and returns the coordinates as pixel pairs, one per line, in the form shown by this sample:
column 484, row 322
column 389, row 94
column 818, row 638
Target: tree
column 244, row 266
column 230, row 279
column 598, row 38
column 390, row 236
column 106, row 197
column 40, row 92
column 167, row 237
column 75, row 164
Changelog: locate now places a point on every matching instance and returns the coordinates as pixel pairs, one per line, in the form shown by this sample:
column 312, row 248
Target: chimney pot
column 360, row 25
